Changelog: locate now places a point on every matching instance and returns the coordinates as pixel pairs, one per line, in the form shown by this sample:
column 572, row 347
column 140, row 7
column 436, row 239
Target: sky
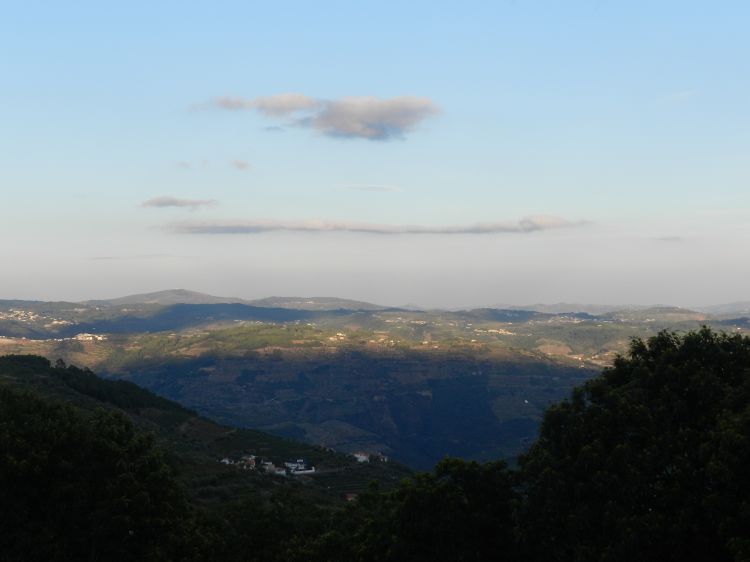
column 437, row 153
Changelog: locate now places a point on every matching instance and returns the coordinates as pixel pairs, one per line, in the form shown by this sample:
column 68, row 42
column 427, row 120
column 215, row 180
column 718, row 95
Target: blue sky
column 601, row 147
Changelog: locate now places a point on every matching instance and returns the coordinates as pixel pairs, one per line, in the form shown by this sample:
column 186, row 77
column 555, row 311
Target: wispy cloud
column 279, row 105
column 241, row 165
column 166, row 201
column 138, row 257
column 669, row 239
column 364, row 117
column 679, row 96
column 525, row 225
column 373, row 188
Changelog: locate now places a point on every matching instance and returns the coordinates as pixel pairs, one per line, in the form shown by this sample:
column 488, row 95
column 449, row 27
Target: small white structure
column 299, row 466
column 90, row 337
column 361, row 456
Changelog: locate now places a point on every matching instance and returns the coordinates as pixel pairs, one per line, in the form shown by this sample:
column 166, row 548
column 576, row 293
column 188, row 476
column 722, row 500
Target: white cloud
column 365, row 117
column 371, row 118
column 528, row 224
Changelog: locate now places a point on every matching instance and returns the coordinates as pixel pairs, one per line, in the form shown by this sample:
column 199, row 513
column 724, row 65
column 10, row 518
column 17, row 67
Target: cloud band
column 161, row 202
column 525, row 225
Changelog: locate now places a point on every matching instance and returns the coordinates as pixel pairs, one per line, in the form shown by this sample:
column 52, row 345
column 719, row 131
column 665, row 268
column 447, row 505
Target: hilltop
column 165, row 298
column 316, row 303
column 183, row 296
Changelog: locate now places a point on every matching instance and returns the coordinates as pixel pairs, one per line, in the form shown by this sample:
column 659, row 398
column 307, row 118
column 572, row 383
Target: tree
column 461, row 512
column 74, row 487
column 649, row 460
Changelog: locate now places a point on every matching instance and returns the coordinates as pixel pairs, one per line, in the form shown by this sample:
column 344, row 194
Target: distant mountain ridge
column 166, row 298
column 664, row 313
column 563, row 307
column 316, row 303
column 171, row 297
column 741, row 308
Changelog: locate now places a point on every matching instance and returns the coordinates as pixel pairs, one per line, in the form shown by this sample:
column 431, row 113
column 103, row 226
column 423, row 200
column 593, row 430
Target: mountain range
column 184, row 296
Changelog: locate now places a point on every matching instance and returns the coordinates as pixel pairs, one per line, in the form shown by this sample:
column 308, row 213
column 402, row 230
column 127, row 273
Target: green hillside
column 195, row 444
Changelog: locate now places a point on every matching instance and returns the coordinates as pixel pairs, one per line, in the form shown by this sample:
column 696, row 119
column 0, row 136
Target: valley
column 414, row 385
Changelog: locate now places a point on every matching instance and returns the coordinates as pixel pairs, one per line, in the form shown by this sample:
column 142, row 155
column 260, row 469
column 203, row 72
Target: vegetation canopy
column 75, row 487
column 648, row 461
